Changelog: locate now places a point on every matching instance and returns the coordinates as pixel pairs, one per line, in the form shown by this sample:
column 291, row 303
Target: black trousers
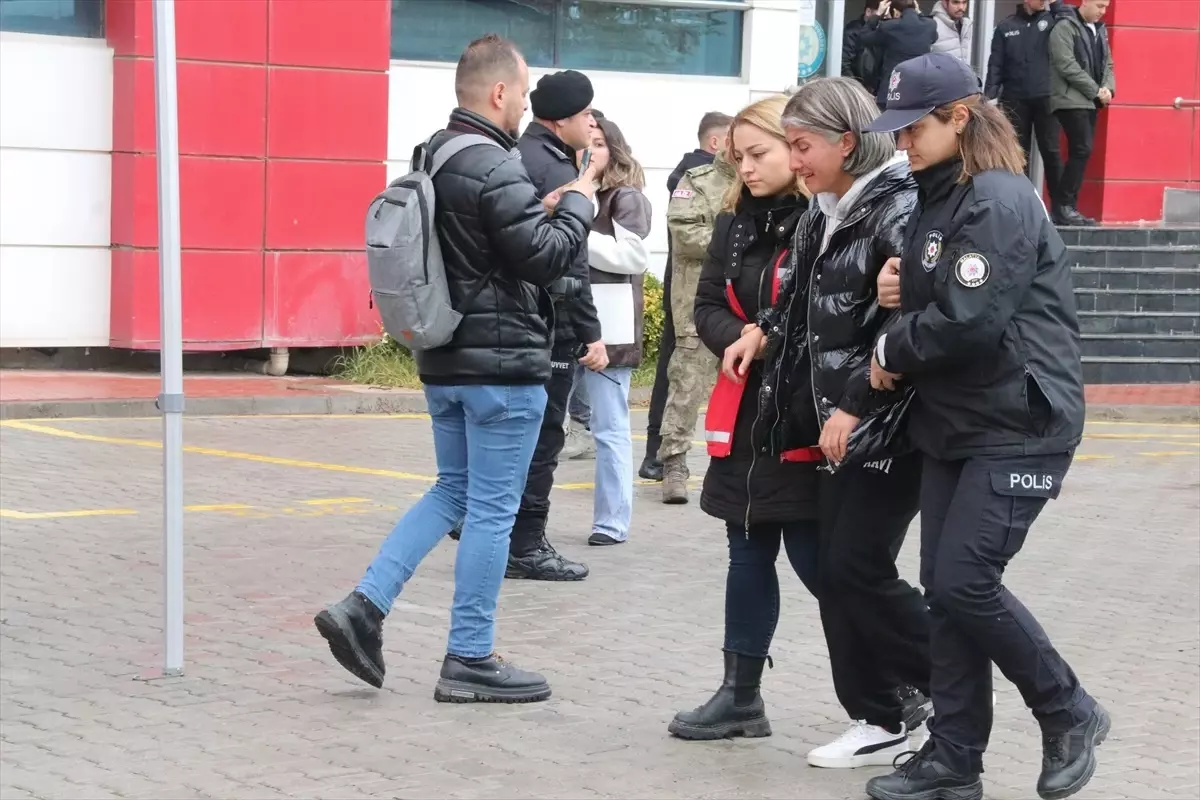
column 876, row 624
column 529, row 528
column 658, row 396
column 975, row 515
column 1033, row 118
column 752, row 583
column 1080, row 127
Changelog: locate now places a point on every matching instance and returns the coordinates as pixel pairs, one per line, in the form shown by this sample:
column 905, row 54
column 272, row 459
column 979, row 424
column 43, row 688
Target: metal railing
column 1183, row 103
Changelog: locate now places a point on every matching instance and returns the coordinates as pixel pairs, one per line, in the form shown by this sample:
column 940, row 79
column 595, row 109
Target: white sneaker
column 862, row 745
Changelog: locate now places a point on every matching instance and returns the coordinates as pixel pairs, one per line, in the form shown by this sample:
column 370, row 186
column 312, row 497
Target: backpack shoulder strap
column 454, row 146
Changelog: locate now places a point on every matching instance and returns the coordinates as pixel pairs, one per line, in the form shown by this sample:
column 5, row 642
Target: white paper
column 614, row 307
column 808, row 12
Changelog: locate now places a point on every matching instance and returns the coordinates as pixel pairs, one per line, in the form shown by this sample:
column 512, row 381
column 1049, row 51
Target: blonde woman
column 763, row 501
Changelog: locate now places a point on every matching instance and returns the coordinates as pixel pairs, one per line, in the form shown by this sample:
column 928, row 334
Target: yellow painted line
column 219, row 507
column 1144, row 436
column 336, row 501
column 1169, row 454
column 96, row 512
column 1093, row 457
column 1189, row 425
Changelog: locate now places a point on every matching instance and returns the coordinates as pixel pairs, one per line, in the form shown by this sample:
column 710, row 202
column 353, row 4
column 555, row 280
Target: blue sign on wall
column 812, row 50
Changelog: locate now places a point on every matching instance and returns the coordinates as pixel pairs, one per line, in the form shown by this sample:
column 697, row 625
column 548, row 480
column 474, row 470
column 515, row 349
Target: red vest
column 726, row 400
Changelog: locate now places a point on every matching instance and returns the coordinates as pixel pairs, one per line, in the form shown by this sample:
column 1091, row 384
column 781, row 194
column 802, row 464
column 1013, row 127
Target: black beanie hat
column 561, row 95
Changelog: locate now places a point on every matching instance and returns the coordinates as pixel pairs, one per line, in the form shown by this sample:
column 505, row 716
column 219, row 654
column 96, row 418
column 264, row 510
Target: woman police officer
column 989, row 339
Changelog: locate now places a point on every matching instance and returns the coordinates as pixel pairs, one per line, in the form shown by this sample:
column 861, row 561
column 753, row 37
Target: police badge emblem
column 1043, row 24
column 972, row 270
column 932, row 253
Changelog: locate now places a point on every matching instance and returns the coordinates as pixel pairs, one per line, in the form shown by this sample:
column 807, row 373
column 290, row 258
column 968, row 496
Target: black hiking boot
column 544, row 564
column 1069, row 758
column 354, row 630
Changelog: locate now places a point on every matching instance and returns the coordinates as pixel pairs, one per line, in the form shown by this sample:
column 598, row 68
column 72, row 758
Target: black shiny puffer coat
column 493, row 228
column 831, row 325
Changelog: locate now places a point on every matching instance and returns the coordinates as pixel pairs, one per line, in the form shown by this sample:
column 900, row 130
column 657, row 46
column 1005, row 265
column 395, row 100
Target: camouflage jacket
column 694, row 207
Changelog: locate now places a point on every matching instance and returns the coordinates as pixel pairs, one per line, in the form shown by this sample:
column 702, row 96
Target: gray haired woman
column 818, row 341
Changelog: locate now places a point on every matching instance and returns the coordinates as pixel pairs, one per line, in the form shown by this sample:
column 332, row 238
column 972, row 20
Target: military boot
column 675, row 476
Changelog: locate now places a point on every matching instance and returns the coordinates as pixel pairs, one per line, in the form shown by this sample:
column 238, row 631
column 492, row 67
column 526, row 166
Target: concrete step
column 1157, row 301
column 1130, row 237
column 1139, row 323
column 1132, row 369
column 1157, row 345
column 1160, row 278
column 1149, row 256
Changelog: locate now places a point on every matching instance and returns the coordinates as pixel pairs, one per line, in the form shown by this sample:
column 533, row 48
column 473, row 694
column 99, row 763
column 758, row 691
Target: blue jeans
column 483, row 439
column 612, row 501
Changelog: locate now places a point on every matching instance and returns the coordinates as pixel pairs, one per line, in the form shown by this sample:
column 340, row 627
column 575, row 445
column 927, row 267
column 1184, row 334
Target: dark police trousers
column 975, row 515
column 529, row 528
column 658, row 395
column 876, row 624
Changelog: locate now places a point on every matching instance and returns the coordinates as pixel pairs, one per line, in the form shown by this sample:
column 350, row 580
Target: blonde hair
column 765, row 115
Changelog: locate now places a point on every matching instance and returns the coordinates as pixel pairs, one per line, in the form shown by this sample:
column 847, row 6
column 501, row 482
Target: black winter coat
column 828, row 317
column 989, row 335
column 489, row 219
column 897, row 40
column 1019, row 67
column 746, row 487
column 550, row 163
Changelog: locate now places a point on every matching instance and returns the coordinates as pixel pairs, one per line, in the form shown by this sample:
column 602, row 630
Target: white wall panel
column 54, row 296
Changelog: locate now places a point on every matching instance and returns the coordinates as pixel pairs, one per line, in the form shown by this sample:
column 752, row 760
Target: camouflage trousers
column 691, row 374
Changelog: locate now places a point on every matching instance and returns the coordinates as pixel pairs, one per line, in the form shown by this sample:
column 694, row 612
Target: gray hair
column 835, row 106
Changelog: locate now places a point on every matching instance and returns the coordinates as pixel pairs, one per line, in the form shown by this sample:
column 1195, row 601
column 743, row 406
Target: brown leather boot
column 675, row 476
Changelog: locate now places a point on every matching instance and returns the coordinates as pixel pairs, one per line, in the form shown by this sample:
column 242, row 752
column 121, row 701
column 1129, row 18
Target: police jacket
column 1019, row 67
column 989, row 336
column 747, row 488
column 490, row 221
column 828, row 315
column 908, row 36
column 550, row 163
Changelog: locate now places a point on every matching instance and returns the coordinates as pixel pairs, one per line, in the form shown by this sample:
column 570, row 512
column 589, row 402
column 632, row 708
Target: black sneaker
column 603, row 540
column 919, row 776
column 1069, row 758
column 917, row 707
column 456, row 532
column 651, row 469
column 354, row 630
column 545, row 564
column 488, row 680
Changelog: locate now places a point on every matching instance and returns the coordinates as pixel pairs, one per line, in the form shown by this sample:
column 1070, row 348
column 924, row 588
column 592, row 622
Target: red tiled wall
column 283, row 137
column 1143, row 143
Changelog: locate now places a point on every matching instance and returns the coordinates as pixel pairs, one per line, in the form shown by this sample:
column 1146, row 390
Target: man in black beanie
column 562, row 125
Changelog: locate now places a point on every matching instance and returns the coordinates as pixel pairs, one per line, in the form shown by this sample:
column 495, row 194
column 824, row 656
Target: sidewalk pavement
column 38, row 394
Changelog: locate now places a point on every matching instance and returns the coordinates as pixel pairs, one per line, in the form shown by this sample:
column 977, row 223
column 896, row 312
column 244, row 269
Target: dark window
column 58, row 17
column 579, row 34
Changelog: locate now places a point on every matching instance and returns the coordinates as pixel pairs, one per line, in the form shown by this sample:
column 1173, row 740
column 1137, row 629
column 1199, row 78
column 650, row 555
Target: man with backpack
column 491, row 249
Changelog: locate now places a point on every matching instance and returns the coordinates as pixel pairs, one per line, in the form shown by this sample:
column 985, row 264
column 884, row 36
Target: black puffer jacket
column 821, row 334
column 550, row 163
column 489, row 220
column 747, row 487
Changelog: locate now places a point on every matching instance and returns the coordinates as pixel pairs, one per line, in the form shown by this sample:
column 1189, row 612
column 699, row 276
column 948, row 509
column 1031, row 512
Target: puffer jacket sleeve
column 536, row 247
column 716, row 324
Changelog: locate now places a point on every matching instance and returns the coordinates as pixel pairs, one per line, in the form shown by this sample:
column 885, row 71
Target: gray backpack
column 404, row 256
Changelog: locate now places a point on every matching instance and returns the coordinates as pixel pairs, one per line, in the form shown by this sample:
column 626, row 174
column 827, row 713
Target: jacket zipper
column 757, row 416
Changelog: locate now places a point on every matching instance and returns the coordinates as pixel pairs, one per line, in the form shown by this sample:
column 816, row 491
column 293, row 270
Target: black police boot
column 735, row 710
column 1069, row 758
column 456, row 532
column 919, row 776
column 917, row 707
column 652, row 468
column 354, row 630
column 490, row 679
column 544, row 564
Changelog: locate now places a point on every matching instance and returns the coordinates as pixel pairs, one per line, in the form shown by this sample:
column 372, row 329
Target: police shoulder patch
column 683, row 194
column 972, row 270
column 932, row 252
column 1043, row 24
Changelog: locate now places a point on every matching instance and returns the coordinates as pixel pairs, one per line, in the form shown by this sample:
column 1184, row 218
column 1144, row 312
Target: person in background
column 713, row 128
column 955, row 30
column 762, row 501
column 618, row 258
column 562, row 125
column 1082, row 82
column 485, row 389
column 899, row 33
column 819, row 339
column 1018, row 77
column 695, row 205
column 988, row 338
column 859, row 61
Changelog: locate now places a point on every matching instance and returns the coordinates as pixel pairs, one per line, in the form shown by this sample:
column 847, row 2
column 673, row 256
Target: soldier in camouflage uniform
column 694, row 207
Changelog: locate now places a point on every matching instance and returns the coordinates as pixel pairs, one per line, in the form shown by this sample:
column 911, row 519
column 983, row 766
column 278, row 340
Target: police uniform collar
column 934, row 183
column 537, row 130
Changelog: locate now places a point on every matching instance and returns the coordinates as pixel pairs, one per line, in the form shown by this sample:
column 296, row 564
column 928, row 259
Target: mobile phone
column 584, row 161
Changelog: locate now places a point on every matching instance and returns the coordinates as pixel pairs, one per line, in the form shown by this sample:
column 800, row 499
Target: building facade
column 294, row 113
